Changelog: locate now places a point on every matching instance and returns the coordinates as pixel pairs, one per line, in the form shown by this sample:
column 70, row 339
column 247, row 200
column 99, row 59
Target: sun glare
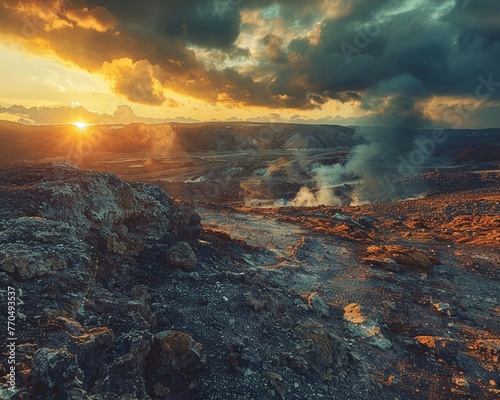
column 80, row 125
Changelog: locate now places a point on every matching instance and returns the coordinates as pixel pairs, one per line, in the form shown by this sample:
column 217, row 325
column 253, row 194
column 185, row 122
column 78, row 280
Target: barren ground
column 412, row 285
column 430, row 331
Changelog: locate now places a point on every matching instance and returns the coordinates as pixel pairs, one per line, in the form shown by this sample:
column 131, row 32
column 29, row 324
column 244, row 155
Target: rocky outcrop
column 396, row 257
column 68, row 239
column 173, row 361
column 56, row 375
column 175, row 351
column 35, row 246
column 52, row 216
column 58, row 206
column 181, row 255
column 118, row 299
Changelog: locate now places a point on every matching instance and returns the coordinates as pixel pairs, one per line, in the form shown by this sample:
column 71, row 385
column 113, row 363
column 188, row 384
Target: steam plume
column 375, row 163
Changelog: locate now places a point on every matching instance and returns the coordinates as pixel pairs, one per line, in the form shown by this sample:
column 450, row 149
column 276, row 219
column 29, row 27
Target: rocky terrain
column 121, row 296
column 415, row 282
column 124, row 292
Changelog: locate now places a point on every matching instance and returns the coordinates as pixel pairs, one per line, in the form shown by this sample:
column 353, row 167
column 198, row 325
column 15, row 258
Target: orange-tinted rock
column 406, row 257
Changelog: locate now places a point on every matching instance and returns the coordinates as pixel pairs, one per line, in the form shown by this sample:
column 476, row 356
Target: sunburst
column 80, row 125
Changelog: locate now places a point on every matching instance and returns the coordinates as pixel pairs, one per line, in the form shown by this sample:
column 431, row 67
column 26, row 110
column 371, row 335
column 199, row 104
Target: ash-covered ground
column 126, row 293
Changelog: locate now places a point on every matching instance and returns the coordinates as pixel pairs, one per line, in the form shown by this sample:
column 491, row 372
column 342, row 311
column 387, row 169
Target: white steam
column 370, row 171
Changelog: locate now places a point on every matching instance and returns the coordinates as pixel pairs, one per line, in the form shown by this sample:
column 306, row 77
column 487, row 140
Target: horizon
column 183, row 121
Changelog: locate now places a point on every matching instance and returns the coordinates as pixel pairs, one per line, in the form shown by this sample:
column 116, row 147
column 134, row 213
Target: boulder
column 314, row 345
column 182, row 256
column 252, row 302
column 56, row 375
column 318, row 305
column 173, row 352
column 407, row 258
column 363, row 327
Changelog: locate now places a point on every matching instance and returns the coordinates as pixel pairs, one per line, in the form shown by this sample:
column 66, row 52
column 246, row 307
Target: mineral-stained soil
column 415, row 283
column 461, row 207
column 125, row 294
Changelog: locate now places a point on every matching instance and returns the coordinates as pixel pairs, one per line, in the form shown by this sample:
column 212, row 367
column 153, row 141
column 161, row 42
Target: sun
column 80, row 125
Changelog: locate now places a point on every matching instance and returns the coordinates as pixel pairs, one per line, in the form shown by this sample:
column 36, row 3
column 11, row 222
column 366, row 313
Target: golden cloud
column 138, row 64
column 136, row 81
column 38, row 15
column 98, row 18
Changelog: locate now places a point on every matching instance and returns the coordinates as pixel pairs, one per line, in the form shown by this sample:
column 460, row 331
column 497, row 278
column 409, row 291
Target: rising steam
column 374, row 165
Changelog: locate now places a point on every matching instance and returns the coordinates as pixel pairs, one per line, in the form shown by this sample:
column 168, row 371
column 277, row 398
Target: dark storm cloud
column 199, row 22
column 274, row 48
column 476, row 19
column 443, row 47
column 432, row 50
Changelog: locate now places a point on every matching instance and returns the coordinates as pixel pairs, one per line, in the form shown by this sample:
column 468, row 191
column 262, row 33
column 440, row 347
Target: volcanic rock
column 366, row 328
column 317, row 304
column 73, row 238
column 182, row 256
column 488, row 349
column 126, row 217
column 407, row 258
column 56, row 375
column 314, row 345
column 276, row 383
column 443, row 309
column 100, row 317
column 34, row 246
column 252, row 302
column 174, row 361
column 306, row 249
column 175, row 351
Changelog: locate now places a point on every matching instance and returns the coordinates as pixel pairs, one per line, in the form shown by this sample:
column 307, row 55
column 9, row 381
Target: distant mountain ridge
column 25, row 143
column 36, row 143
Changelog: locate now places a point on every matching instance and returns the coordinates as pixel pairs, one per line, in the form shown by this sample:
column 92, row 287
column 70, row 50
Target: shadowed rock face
column 66, row 234
column 55, row 215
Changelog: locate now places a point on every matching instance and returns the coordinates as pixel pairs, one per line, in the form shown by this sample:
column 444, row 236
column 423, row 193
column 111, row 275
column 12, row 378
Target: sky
column 359, row 62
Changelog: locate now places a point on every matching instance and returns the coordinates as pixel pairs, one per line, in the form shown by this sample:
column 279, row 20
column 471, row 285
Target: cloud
column 123, row 114
column 98, row 18
column 274, row 54
column 274, row 48
column 136, row 81
column 449, row 113
column 34, row 16
column 412, row 42
column 475, row 19
column 51, row 115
